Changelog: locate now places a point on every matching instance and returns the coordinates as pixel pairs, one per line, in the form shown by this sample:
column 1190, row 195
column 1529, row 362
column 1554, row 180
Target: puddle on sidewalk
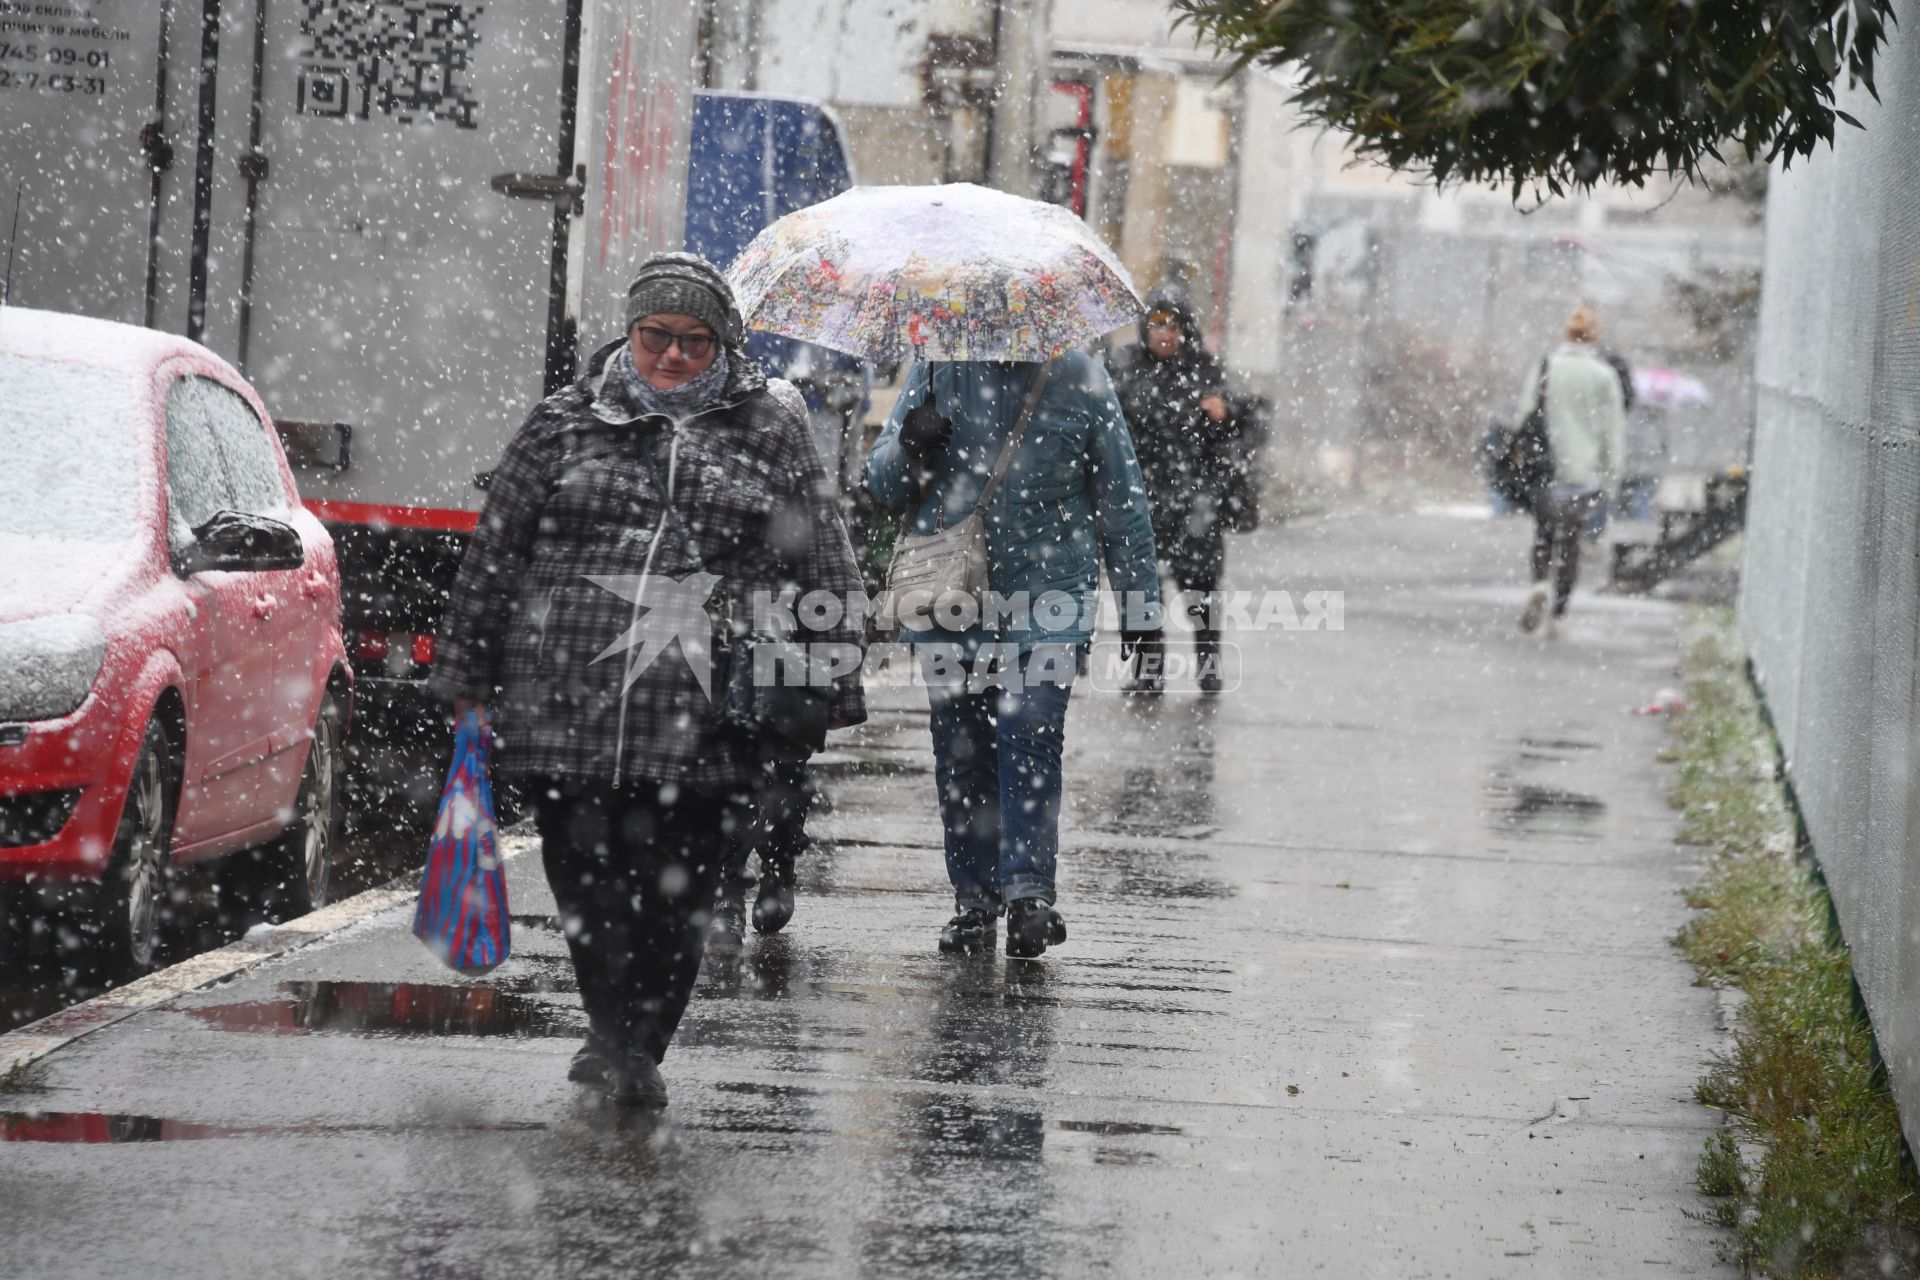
column 395, row 1008
column 1517, row 803
column 1149, row 874
column 1115, row 1128
column 91, row 1127
column 1558, row 745
column 1513, row 803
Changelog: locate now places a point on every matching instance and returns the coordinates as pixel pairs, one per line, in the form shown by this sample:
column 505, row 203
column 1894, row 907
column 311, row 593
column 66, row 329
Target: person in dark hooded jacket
column 1174, row 395
column 635, row 509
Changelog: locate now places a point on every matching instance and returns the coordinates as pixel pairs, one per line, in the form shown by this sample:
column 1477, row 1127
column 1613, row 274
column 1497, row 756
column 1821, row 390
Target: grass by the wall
column 1810, row 1173
column 24, row 1077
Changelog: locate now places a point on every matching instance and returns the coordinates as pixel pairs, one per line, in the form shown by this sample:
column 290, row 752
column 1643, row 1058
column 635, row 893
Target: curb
column 57, row 1030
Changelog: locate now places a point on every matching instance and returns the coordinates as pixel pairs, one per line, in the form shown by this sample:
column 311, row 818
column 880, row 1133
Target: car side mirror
column 239, row 542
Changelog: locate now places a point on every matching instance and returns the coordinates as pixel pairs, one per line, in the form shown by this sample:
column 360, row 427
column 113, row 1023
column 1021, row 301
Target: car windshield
column 70, row 444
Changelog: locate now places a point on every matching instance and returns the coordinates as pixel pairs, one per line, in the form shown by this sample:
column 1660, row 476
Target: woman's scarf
column 679, row 403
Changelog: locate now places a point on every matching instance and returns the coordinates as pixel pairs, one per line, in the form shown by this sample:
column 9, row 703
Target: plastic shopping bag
column 463, row 895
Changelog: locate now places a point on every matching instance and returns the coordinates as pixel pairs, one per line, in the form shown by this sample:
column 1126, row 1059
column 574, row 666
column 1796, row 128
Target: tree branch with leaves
column 1558, row 96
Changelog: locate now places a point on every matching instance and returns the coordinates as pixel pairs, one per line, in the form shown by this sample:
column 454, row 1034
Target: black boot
column 636, row 1082
column 589, row 1065
column 1206, row 659
column 972, row 930
column 727, row 931
column 1032, row 927
column 773, row 905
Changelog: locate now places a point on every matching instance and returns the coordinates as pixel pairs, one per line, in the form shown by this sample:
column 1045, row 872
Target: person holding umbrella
column 999, row 435
column 1073, row 500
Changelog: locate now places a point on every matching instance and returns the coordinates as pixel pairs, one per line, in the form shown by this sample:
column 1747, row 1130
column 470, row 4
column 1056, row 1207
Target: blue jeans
column 996, row 754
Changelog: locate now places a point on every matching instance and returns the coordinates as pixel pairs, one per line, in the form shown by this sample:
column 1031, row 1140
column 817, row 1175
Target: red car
column 173, row 684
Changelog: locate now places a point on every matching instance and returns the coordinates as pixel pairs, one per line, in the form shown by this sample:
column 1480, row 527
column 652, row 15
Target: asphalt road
column 1369, row 975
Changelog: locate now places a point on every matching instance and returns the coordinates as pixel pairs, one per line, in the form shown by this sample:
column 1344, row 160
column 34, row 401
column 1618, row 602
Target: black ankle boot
column 1032, row 927
column 635, row 1081
column 971, row 930
column 1206, row 660
column 727, row 931
column 589, row 1065
column 773, row 904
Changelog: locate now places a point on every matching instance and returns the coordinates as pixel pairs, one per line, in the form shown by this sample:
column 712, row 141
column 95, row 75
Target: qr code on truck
column 405, row 59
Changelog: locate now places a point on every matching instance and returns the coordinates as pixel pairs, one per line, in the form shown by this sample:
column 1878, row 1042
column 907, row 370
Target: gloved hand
column 925, row 431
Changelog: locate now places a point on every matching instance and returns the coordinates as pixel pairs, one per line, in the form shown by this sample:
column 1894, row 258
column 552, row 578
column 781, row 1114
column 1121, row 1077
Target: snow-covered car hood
column 42, row 576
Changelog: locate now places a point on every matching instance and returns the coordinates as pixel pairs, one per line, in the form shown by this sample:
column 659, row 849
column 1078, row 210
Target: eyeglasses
column 694, row 346
column 1160, row 320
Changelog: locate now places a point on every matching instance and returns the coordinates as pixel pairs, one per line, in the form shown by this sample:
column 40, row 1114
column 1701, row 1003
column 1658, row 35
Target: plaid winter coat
column 578, row 496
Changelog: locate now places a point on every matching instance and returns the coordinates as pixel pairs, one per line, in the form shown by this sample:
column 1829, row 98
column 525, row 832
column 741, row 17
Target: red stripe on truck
column 451, row 520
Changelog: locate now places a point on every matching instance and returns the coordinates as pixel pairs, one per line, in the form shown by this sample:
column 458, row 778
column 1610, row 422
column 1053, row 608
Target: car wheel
column 136, row 902
column 300, row 869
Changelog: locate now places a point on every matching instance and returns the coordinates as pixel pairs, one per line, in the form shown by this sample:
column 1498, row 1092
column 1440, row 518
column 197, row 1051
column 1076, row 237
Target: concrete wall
column 1830, row 592
column 1265, row 206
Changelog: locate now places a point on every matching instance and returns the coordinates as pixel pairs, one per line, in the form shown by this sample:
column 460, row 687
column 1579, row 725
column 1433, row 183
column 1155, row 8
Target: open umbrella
column 1669, row 388
column 956, row 272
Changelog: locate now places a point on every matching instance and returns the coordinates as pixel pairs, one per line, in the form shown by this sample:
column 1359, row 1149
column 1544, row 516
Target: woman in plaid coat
column 632, row 515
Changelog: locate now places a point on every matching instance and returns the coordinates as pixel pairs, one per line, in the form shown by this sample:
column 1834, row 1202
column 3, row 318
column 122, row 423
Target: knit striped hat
column 685, row 284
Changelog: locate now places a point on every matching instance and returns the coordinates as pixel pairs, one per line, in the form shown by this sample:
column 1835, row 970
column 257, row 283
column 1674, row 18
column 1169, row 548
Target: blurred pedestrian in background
column 1072, row 501
column 1579, row 396
column 673, row 474
column 1174, row 394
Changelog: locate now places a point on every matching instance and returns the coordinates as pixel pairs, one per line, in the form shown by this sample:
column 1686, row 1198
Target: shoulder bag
column 1523, row 458
column 769, row 692
column 928, row 566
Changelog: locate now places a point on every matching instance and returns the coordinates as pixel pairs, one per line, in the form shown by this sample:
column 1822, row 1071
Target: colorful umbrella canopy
column 1669, row 388
column 956, row 272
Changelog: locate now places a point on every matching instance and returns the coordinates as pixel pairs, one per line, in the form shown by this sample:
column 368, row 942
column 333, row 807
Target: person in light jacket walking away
column 1072, row 500
column 670, row 485
column 1586, row 426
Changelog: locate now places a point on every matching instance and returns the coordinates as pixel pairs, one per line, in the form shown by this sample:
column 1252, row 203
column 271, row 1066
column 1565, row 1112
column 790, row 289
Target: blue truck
column 753, row 158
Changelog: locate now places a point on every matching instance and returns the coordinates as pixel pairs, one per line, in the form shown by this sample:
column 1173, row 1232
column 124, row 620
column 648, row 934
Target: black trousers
column 1195, row 562
column 1556, row 535
column 633, row 869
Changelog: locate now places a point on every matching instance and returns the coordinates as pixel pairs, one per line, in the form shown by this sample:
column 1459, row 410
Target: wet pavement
column 1369, row 974
column 378, row 847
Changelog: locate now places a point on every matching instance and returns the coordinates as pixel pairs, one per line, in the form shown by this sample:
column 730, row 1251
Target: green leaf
column 1823, row 49
column 1511, row 92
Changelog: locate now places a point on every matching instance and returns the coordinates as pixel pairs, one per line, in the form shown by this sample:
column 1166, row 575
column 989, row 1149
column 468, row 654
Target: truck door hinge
column 545, row 186
column 157, row 146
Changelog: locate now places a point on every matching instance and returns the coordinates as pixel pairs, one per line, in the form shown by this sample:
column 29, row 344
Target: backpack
column 1244, row 432
column 1520, row 459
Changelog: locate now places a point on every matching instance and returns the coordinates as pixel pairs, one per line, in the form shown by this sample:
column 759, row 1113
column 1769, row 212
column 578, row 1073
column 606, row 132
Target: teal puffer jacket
column 1073, row 498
